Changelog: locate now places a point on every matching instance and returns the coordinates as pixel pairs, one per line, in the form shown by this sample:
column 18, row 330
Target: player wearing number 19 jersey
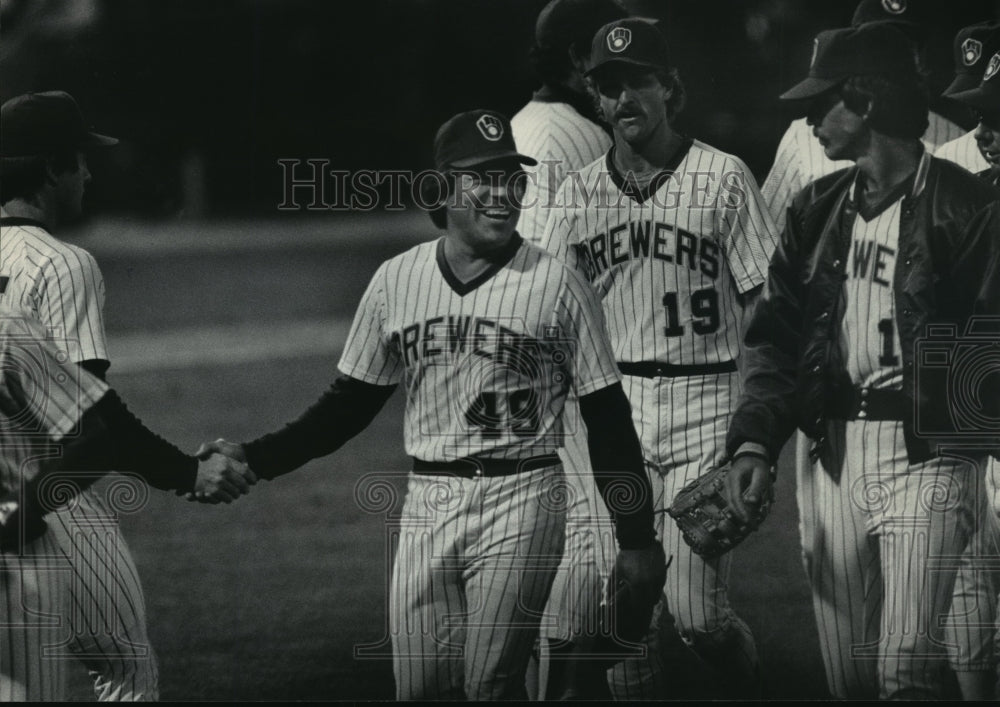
column 673, row 235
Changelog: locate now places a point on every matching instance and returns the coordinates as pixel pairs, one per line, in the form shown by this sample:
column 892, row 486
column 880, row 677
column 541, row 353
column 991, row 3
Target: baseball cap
column 634, row 41
column 985, row 96
column 42, row 123
column 475, row 137
column 875, row 48
column 563, row 23
column 973, row 47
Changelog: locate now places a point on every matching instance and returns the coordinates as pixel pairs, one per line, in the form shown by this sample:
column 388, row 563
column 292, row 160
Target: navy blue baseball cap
column 635, row 41
column 986, row 95
column 44, row 123
column 472, row 138
column 973, row 47
column 877, row 48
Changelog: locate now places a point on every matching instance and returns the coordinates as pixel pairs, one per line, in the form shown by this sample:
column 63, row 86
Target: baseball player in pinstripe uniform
column 56, row 422
column 487, row 335
column 559, row 128
column 674, row 237
column 44, row 176
column 870, row 257
column 800, row 159
column 974, row 46
column 978, row 585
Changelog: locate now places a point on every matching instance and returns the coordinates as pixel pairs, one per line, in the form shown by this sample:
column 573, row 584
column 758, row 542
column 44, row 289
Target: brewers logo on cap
column 993, row 68
column 619, row 38
column 894, row 7
column 490, row 127
column 972, row 50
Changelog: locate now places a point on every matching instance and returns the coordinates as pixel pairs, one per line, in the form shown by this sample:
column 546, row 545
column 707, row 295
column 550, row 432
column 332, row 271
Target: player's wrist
column 755, row 450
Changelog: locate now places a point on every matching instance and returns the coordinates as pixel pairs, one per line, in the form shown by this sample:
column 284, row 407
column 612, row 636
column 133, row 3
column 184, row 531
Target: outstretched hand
column 223, row 475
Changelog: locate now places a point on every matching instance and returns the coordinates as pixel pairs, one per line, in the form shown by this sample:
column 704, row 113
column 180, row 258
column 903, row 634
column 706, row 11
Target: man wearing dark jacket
column 859, row 339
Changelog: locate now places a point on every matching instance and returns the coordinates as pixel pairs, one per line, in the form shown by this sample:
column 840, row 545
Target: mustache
column 627, row 112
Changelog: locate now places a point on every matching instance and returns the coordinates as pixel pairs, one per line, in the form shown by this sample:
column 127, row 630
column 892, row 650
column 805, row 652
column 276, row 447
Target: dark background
column 209, row 94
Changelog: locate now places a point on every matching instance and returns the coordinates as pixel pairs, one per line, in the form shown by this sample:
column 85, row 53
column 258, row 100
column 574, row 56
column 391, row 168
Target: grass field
column 267, row 599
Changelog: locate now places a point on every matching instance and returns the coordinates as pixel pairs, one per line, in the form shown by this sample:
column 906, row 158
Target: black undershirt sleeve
column 343, row 411
column 111, row 437
column 96, row 366
column 619, row 469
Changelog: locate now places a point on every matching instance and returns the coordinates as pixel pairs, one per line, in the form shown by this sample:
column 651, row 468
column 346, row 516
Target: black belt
column 868, row 404
column 655, row 369
column 471, row 467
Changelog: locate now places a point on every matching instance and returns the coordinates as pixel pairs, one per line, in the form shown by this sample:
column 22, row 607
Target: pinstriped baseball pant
column 34, row 603
column 682, row 423
column 881, row 540
column 971, row 627
column 108, row 608
column 473, row 571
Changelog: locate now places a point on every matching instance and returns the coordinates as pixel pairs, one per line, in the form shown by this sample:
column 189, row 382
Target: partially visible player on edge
column 974, row 46
column 58, row 422
column 983, row 586
column 560, row 129
column 674, row 237
column 43, row 176
column 869, row 258
column 800, row 160
column 487, row 335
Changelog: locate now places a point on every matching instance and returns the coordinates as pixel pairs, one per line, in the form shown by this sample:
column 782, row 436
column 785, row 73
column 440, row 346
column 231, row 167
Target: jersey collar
column 22, row 221
column 912, row 186
column 464, row 288
column 631, row 189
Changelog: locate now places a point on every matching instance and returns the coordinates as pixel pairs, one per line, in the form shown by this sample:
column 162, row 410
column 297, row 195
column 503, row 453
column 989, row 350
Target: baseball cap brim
column 962, row 83
column 494, row 157
column 808, row 88
column 632, row 62
column 976, row 97
column 98, row 140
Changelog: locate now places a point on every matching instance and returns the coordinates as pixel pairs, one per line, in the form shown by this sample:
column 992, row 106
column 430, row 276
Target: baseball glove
column 707, row 522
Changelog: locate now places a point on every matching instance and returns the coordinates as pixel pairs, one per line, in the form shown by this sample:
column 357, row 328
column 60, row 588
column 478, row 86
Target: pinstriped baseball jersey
column 869, row 336
column 60, row 283
column 560, row 139
column 41, row 398
column 486, row 364
column 671, row 260
column 800, row 160
column 964, row 152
